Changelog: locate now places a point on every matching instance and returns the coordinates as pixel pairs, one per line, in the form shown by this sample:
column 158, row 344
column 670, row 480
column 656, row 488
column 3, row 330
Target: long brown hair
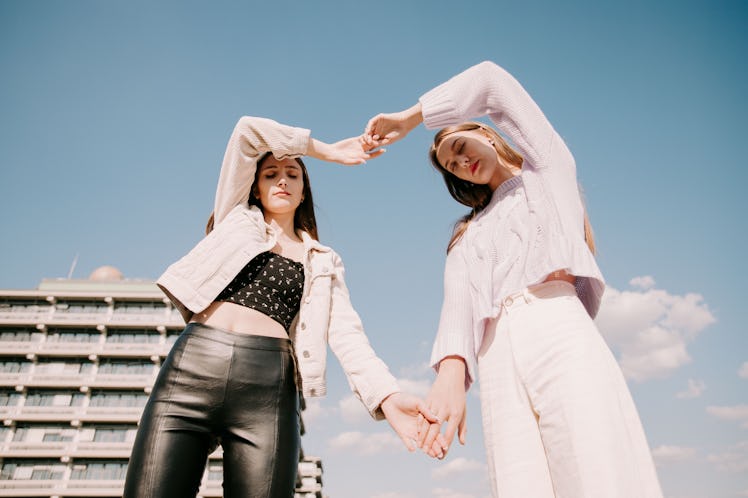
column 304, row 219
column 476, row 196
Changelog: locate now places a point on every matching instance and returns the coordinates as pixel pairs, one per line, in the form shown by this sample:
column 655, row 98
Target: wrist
column 414, row 116
column 390, row 398
column 453, row 368
column 317, row 149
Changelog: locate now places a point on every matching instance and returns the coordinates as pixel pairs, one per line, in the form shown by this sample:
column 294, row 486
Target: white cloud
column 738, row 413
column 418, row 370
column 668, row 454
column 418, row 388
column 449, row 493
column 314, row 412
column 457, row 466
column 352, row 411
column 394, row 495
column 734, row 460
column 651, row 329
column 743, row 371
column 694, row 390
column 367, row 444
column 644, row 283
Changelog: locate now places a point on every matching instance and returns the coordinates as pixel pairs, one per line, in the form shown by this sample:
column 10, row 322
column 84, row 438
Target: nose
column 465, row 161
column 282, row 182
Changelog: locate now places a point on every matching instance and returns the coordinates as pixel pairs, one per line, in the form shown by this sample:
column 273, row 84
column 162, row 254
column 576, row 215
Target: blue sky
column 114, row 118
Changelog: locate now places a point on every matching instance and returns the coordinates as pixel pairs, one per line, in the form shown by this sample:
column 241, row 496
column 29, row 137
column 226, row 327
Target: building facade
column 77, row 361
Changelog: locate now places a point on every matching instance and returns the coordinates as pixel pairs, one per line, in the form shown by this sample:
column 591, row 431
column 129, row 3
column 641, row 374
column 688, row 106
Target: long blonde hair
column 476, row 196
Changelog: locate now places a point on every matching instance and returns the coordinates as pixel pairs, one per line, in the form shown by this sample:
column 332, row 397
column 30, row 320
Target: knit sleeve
column 455, row 334
column 252, row 137
column 487, row 89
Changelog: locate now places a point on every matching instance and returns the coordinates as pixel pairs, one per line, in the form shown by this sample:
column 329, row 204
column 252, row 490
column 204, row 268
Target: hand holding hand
column 447, row 401
column 349, row 152
column 385, row 129
column 403, row 412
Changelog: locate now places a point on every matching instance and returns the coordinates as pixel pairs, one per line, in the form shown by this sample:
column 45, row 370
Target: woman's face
column 280, row 185
column 470, row 155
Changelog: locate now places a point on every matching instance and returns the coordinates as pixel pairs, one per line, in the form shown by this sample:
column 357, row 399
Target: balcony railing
column 125, row 414
column 107, row 349
column 22, row 488
column 100, row 380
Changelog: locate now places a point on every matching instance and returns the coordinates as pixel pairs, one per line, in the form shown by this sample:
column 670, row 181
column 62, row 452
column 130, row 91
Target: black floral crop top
column 271, row 284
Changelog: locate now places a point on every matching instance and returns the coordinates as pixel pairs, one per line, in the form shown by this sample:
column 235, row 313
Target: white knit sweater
column 534, row 224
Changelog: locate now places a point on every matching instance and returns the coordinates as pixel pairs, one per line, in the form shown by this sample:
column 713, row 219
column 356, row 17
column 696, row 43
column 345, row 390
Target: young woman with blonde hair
column 521, row 289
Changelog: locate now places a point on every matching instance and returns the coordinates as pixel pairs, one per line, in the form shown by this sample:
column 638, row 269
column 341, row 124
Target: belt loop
column 526, row 295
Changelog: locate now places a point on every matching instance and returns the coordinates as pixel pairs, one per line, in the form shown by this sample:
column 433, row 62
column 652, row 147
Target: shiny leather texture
column 220, row 387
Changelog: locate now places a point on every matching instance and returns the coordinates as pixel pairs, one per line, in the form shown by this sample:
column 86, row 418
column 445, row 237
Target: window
column 215, row 472
column 54, row 398
column 43, row 433
column 59, row 367
column 125, row 399
column 86, row 307
column 139, row 307
column 58, row 435
column 107, row 471
column 30, row 469
column 73, row 335
column 14, row 365
column 23, row 306
column 126, row 367
column 108, row 433
column 129, row 336
column 116, row 434
column 9, row 398
column 20, row 335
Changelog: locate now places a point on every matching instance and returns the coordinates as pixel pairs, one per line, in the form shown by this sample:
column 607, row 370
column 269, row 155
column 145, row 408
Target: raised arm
column 253, row 137
column 481, row 90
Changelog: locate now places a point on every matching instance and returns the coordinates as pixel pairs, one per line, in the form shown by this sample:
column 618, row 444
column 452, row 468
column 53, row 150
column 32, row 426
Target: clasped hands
column 419, row 423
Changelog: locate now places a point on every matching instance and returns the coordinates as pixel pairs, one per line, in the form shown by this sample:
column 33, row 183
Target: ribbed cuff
column 438, row 108
column 300, row 143
column 454, row 345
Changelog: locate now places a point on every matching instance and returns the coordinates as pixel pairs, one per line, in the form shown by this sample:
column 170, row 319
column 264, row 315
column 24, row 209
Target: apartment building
column 77, row 361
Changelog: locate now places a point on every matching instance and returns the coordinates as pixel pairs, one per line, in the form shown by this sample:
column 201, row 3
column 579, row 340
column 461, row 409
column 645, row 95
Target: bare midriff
column 240, row 319
column 561, row 275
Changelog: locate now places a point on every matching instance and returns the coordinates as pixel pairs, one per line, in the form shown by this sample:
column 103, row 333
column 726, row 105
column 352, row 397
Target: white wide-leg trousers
column 558, row 418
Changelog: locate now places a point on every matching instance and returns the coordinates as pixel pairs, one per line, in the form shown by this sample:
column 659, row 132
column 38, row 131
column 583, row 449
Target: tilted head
column 281, row 186
column 473, row 160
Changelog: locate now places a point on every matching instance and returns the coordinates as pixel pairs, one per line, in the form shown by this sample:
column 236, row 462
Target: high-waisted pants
column 558, row 418
column 220, row 387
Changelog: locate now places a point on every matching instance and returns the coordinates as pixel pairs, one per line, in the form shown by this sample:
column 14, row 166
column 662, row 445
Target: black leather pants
column 220, row 387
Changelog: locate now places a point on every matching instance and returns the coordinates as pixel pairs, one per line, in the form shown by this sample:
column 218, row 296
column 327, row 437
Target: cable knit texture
column 533, row 225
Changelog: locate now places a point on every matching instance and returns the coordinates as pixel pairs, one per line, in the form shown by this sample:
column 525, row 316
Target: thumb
column 462, row 431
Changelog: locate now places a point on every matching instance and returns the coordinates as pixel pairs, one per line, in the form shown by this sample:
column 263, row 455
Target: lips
column 473, row 167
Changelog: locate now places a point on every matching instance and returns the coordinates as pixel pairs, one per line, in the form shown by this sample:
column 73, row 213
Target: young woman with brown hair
column 262, row 298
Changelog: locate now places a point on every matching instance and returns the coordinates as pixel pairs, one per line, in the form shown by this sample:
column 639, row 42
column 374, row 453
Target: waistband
column 236, row 339
column 545, row 290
